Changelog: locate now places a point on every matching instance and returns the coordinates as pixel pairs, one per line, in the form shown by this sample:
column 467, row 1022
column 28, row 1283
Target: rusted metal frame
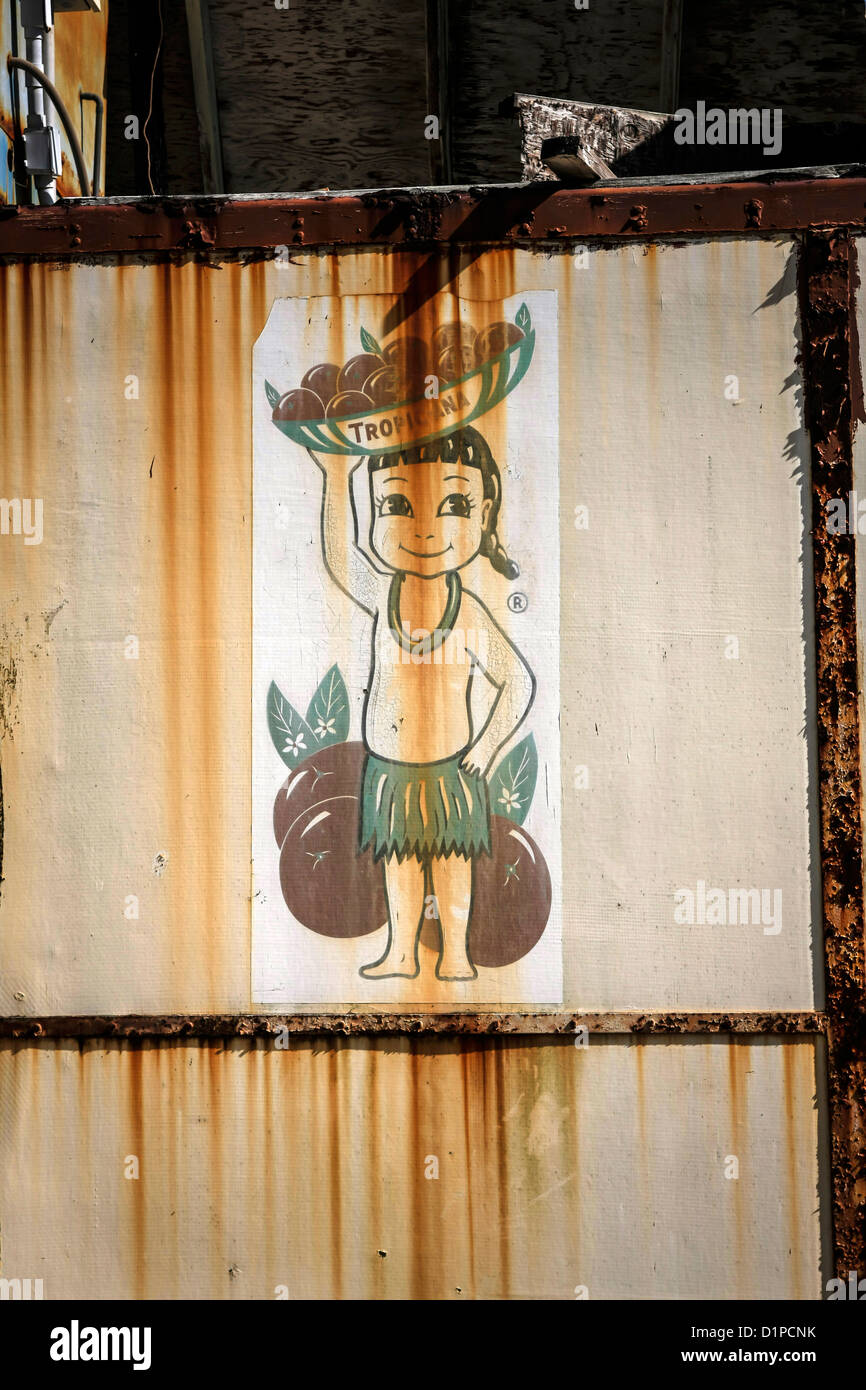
column 414, row 218
column 833, row 401
column 135, row 1026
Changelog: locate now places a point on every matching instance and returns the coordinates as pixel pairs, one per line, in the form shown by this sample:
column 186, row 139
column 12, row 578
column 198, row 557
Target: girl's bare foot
column 392, row 963
column 450, row 969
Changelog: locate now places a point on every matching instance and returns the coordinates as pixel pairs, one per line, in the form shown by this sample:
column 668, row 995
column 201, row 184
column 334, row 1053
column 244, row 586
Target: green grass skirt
column 423, row 809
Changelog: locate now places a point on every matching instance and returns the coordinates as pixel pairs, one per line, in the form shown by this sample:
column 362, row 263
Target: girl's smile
column 426, row 554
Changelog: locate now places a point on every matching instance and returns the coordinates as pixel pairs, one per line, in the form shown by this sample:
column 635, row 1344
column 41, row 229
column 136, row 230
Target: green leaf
column 272, row 394
column 291, row 734
column 512, row 786
column 328, row 714
column 522, row 319
column 369, row 344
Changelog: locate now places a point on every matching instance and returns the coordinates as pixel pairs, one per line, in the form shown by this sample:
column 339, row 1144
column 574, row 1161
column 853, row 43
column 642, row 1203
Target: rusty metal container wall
column 135, row 429
column 444, row 1169
column 225, row 1165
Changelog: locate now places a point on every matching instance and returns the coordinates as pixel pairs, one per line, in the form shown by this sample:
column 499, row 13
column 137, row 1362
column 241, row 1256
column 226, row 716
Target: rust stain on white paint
column 297, row 1167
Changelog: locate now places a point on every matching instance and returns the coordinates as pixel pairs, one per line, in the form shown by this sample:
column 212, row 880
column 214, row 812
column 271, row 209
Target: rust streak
column 739, row 1146
column 470, row 1088
column 335, row 1115
column 793, row 1148
column 505, row 1177
column 135, row 1186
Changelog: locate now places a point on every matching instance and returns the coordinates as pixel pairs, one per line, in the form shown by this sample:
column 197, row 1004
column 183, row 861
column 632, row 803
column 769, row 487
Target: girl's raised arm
column 346, row 563
column 505, row 668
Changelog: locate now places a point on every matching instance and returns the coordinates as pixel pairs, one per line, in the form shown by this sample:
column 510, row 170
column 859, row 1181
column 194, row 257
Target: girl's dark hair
column 470, row 448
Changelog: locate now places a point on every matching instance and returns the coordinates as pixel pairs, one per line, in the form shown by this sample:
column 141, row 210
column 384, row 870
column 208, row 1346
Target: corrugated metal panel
column 558, row 1168
column 147, row 517
column 132, row 777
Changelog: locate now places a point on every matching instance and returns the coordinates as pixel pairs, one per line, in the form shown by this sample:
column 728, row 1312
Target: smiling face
column 428, row 518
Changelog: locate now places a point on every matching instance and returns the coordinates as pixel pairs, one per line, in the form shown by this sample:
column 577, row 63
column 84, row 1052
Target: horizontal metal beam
column 136, row 1026
column 504, row 214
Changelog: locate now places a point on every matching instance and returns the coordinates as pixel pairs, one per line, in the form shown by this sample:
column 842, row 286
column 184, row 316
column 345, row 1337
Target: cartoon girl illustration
column 425, row 811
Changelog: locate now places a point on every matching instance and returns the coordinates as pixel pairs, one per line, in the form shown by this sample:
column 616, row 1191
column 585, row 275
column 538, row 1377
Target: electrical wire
column 150, row 106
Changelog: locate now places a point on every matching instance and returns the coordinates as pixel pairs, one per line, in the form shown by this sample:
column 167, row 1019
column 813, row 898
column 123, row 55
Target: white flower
column 324, row 727
column 294, row 745
column 510, row 800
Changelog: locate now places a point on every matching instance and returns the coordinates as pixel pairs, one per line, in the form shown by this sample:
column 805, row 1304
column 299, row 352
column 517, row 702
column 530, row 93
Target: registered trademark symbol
column 518, row 603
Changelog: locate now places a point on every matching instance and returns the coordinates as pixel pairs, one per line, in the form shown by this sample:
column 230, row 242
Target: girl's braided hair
column 469, row 447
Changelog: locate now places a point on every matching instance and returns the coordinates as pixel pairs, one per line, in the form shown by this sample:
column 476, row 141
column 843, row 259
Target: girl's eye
column 395, row 504
column 456, row 504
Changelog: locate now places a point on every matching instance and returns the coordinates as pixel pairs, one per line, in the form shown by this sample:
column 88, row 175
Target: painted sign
column 649, row 572
column 405, row 621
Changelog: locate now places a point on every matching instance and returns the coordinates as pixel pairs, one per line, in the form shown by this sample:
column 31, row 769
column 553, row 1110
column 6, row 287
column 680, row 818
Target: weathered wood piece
column 607, row 132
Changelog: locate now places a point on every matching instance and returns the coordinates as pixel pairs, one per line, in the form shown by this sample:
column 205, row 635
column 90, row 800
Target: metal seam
column 134, row 1026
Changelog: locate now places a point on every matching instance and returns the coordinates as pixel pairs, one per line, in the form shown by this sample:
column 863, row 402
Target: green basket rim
column 528, row 339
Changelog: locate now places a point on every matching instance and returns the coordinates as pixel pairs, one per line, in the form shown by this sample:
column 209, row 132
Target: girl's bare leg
column 404, row 892
column 452, row 886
